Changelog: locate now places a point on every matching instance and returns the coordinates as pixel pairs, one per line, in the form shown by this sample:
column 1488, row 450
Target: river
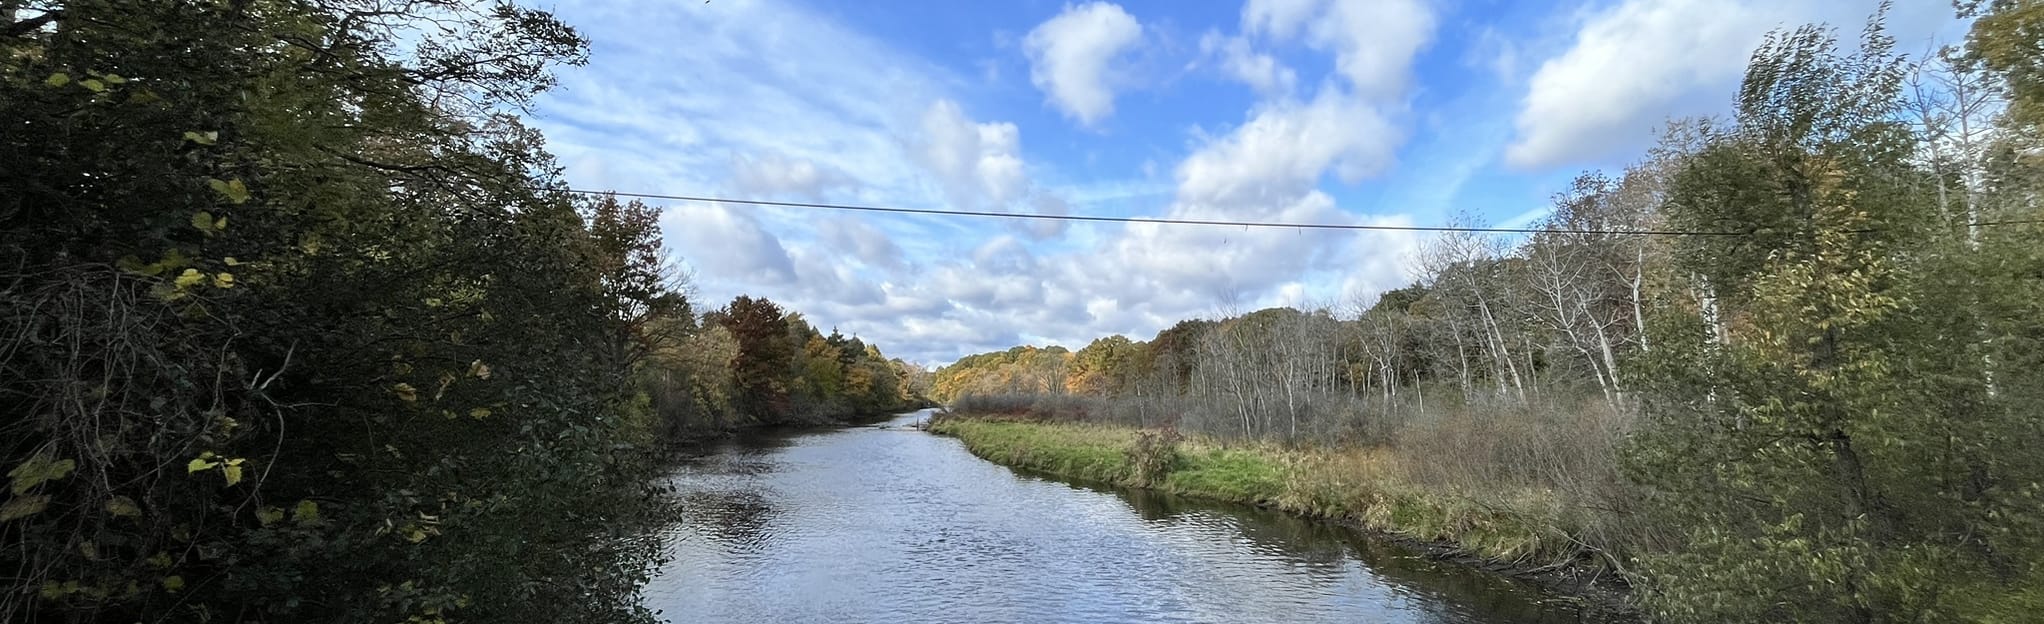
column 896, row 526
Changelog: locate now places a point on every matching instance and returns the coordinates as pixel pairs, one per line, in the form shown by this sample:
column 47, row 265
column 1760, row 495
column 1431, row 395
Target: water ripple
column 866, row 525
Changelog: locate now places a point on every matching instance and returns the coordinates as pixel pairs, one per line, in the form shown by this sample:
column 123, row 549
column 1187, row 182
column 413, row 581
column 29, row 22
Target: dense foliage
column 753, row 363
column 1825, row 399
column 298, row 324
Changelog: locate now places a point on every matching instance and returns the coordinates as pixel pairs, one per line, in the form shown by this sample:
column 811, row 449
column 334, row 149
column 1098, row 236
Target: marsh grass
column 1537, row 489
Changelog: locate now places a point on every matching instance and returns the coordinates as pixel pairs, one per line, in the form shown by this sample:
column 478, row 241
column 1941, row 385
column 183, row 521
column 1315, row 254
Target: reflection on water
column 873, row 525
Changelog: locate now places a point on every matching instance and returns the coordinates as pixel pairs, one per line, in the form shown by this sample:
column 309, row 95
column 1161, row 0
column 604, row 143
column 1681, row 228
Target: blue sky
column 1335, row 111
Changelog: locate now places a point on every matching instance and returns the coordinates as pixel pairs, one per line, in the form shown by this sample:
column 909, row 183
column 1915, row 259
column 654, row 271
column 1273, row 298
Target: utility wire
column 1162, row 221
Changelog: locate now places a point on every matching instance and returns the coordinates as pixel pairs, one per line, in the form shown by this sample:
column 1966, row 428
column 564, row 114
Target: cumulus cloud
column 1285, row 148
column 1630, row 66
column 1070, row 54
column 1638, row 62
column 1238, row 60
column 1373, row 41
column 978, row 164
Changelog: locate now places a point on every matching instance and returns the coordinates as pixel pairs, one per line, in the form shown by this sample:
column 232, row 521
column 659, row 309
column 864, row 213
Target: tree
column 300, row 327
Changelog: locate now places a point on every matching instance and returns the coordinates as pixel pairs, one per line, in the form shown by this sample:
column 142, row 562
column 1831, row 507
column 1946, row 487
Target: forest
column 1785, row 367
column 299, row 323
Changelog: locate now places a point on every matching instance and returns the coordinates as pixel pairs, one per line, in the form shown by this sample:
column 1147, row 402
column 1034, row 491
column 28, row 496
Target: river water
column 897, row 526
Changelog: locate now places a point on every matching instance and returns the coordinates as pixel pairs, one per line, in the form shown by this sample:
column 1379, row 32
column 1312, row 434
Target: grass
column 1362, row 486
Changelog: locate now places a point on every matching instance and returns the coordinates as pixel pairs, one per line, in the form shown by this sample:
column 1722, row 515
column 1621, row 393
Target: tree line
column 299, row 323
column 1819, row 406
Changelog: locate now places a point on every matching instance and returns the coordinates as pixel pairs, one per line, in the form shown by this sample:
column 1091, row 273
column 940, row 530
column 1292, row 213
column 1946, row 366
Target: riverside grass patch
column 1363, row 486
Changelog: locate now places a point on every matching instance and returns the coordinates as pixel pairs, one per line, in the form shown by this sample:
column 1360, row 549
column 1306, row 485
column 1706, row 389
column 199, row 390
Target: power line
column 1155, row 220
column 1163, row 221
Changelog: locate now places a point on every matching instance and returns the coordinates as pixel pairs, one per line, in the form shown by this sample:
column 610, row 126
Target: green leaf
column 199, row 465
column 307, row 512
column 123, row 507
column 233, row 190
column 23, row 506
column 223, row 279
column 37, row 470
column 58, row 79
column 232, row 471
column 93, row 85
column 479, row 413
column 269, row 515
column 113, row 78
column 203, row 138
column 173, row 583
column 203, row 221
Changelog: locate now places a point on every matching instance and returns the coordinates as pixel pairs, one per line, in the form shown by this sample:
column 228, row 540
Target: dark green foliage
column 291, row 304
column 1830, row 426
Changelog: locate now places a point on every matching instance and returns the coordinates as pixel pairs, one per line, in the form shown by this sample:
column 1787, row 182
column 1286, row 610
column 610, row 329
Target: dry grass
column 1536, row 485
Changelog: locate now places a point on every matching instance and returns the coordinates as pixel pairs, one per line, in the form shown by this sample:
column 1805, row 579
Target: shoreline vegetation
column 1521, row 534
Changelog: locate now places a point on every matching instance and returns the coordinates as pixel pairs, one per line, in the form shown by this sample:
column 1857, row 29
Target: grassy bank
column 1527, row 530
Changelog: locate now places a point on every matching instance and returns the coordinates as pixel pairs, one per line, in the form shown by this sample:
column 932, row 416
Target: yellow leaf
column 173, row 583
column 202, row 138
column 233, row 473
column 479, row 413
column 405, row 391
column 123, row 507
column 189, row 278
column 479, row 369
column 199, row 465
column 58, row 79
column 23, row 506
column 223, row 280
column 231, row 261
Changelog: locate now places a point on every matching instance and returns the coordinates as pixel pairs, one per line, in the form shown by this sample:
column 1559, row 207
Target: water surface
column 898, row 526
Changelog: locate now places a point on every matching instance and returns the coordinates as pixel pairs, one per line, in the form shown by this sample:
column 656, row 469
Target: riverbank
column 1526, row 534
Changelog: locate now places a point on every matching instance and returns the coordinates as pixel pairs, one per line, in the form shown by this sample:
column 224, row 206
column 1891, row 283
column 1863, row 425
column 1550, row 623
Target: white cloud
column 1630, row 67
column 1238, row 60
column 1373, row 41
column 1639, row 62
column 772, row 173
column 744, row 250
column 1070, row 53
column 1286, row 147
column 978, row 164
column 865, row 242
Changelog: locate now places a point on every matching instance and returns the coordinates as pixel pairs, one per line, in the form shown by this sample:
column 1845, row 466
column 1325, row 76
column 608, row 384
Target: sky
column 1401, row 112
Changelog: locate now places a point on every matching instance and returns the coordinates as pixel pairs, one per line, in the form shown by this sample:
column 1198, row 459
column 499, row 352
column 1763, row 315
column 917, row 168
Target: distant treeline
column 751, row 363
column 1820, row 407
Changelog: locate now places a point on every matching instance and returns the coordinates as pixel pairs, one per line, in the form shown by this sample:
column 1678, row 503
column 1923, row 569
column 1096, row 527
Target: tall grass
column 1536, row 483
